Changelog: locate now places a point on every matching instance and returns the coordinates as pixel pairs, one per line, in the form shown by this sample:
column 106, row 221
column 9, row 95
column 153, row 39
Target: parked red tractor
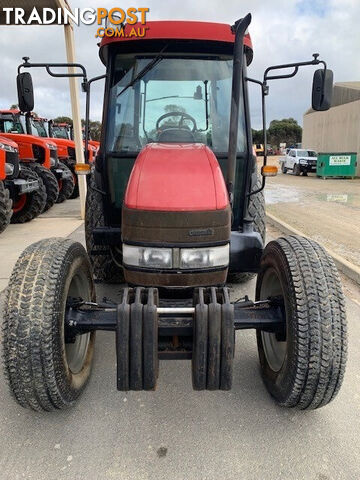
column 35, row 153
column 66, row 151
column 174, row 206
column 22, row 192
column 23, row 123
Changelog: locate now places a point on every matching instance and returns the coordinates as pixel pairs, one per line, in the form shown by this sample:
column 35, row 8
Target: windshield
column 12, row 124
column 176, row 100
column 306, row 153
column 60, row 132
column 38, row 128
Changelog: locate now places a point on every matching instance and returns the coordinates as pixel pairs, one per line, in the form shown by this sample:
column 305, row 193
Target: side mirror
column 322, row 89
column 198, row 93
column 25, row 92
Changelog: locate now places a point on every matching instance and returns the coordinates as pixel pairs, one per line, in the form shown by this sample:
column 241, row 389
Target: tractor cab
column 172, row 88
column 60, row 130
column 164, row 156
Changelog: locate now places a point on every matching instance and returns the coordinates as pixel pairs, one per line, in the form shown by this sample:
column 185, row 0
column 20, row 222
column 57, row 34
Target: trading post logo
column 114, row 19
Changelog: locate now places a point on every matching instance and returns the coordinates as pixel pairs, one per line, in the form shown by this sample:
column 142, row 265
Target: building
column 337, row 129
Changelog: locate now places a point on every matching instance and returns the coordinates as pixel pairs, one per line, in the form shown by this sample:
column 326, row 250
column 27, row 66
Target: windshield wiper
column 144, row 71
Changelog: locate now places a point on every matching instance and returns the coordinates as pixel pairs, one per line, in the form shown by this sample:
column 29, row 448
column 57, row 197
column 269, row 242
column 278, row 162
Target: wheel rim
column 20, row 203
column 274, row 349
column 76, row 352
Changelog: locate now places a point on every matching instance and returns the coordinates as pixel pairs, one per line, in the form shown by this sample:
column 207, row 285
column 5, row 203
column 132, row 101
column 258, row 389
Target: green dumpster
column 336, row 165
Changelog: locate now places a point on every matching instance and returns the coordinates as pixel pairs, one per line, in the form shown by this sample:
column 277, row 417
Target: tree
column 60, row 119
column 95, row 130
column 14, row 106
column 257, row 135
column 173, row 121
column 286, row 131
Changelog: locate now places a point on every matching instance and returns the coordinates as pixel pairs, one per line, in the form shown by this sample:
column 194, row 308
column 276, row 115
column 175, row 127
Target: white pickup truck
column 299, row 160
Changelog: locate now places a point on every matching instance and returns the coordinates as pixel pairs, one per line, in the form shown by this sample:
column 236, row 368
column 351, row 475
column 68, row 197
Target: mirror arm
column 265, row 92
column 48, row 67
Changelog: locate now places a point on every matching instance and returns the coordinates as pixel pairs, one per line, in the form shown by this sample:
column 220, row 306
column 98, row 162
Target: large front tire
column 50, row 182
column 70, row 163
column 45, row 372
column 29, row 205
column 304, row 366
column 66, row 185
column 106, row 268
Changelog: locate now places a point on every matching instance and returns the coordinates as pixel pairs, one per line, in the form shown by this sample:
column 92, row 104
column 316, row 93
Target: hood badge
column 201, row 232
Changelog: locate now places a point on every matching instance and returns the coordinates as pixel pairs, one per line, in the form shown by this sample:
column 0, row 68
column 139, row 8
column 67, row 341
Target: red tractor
column 65, row 130
column 174, row 209
column 35, row 153
column 66, row 151
column 26, row 124
column 22, row 192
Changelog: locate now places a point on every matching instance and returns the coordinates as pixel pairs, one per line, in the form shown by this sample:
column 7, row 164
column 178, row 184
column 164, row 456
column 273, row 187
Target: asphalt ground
column 178, row 433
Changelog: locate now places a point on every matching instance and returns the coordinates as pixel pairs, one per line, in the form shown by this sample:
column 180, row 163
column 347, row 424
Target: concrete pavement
column 185, row 435
column 60, row 221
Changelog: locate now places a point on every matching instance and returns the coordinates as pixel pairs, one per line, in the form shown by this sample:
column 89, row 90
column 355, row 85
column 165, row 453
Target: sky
column 282, row 31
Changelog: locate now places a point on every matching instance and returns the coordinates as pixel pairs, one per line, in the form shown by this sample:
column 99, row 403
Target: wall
column 336, row 130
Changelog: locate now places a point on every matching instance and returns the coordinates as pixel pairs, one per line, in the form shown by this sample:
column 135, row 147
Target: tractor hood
column 176, row 177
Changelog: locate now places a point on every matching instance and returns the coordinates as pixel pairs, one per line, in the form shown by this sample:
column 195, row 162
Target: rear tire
column 50, row 182
column 104, row 266
column 44, row 372
column 67, row 186
column 5, row 207
column 34, row 201
column 305, row 367
column 257, row 212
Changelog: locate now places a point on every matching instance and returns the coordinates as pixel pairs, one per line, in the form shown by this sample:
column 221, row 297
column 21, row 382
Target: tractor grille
column 13, row 159
column 39, row 153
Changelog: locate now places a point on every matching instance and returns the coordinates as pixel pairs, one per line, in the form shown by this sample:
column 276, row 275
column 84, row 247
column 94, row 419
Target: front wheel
column 66, row 184
column 70, row 163
column 283, row 168
column 49, row 181
column 45, row 369
column 28, row 206
column 297, row 170
column 303, row 365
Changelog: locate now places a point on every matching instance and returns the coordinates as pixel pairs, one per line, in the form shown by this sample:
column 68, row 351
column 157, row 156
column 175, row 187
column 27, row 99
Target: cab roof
column 203, row 32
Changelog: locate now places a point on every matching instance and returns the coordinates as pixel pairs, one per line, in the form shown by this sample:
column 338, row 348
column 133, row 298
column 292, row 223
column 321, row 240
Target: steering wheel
column 182, row 116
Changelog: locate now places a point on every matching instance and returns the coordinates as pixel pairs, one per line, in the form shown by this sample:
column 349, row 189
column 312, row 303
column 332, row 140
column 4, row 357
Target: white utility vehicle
column 299, row 160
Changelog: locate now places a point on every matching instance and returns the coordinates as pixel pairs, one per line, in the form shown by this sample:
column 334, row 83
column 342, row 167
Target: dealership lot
column 306, row 203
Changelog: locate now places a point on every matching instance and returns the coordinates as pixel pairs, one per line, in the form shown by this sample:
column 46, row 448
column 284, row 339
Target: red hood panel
column 176, row 177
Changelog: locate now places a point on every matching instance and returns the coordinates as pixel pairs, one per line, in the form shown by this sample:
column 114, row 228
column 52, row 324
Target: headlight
column 204, row 257
column 7, row 148
column 51, row 146
column 9, row 168
column 148, row 257
column 53, row 162
column 185, row 259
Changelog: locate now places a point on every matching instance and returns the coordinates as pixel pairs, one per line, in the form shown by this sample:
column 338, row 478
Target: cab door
column 292, row 159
